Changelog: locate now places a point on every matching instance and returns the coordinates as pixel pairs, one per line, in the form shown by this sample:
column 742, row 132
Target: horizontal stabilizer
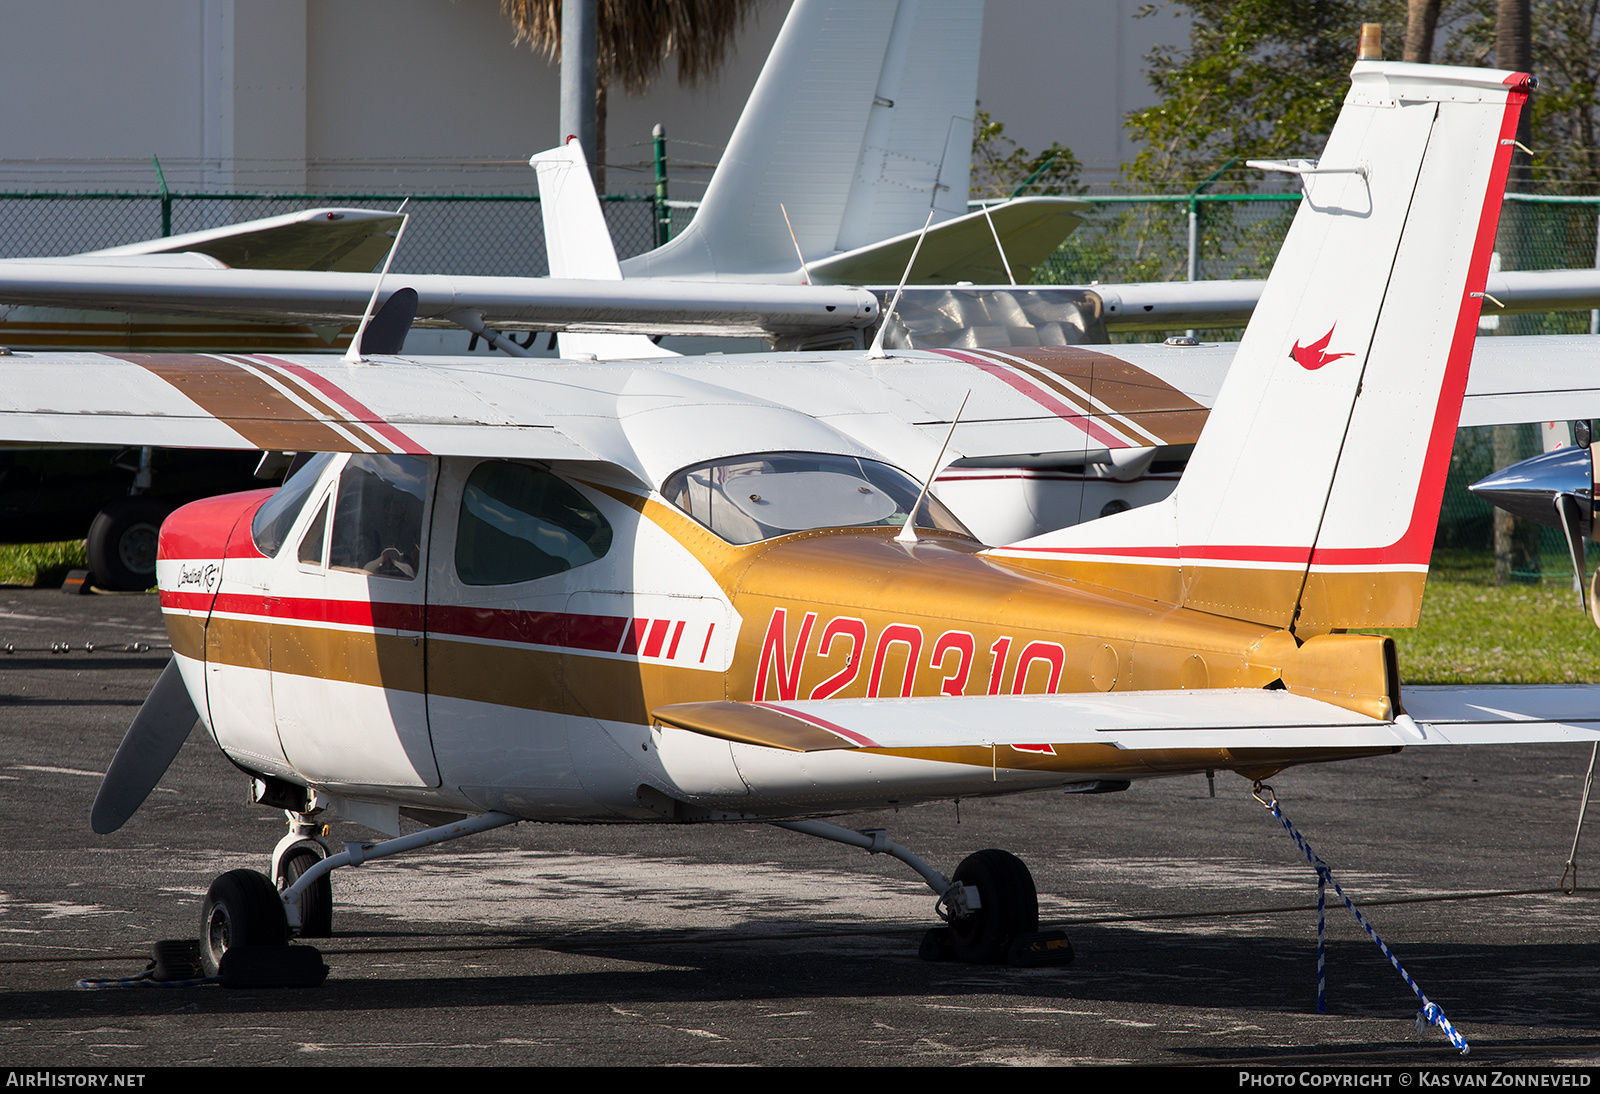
column 1215, row 718
column 347, row 240
column 962, row 249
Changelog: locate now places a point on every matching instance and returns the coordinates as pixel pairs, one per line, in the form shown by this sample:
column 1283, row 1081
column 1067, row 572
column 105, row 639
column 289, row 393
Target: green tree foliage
column 1258, row 79
column 1001, row 167
column 1263, row 79
column 1566, row 108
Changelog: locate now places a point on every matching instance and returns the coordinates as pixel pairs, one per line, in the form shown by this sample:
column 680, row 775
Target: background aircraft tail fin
column 1312, row 496
column 860, row 122
column 578, row 245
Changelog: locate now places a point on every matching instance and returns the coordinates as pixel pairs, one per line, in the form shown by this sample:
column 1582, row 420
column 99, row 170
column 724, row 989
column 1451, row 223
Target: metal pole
column 579, row 23
column 663, row 214
column 166, row 200
column 1594, row 315
column 1194, row 222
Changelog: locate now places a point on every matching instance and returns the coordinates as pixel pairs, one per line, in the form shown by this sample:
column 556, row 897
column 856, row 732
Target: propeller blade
column 1570, row 514
column 147, row 750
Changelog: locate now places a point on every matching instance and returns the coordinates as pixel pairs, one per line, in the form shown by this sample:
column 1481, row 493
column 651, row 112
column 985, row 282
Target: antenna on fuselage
column 883, row 325
column 352, row 356
column 908, row 531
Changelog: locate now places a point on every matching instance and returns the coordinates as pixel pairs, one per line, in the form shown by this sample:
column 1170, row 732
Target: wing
column 854, row 752
column 1513, row 380
column 1027, row 406
column 651, row 418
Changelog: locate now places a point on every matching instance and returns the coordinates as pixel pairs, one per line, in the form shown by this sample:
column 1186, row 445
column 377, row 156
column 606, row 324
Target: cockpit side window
column 277, row 515
column 750, row 498
column 311, row 543
column 377, row 517
column 520, row 522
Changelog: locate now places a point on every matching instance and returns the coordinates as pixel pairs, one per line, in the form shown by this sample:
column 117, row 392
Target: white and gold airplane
column 698, row 590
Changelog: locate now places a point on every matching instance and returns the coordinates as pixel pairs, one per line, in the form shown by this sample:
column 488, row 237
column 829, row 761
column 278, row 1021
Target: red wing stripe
column 351, row 405
column 1044, row 398
column 809, row 719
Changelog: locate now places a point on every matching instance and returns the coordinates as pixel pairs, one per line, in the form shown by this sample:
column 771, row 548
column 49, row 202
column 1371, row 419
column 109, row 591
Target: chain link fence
column 490, row 235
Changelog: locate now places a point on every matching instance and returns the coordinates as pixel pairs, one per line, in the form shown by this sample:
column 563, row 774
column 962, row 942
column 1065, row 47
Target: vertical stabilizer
column 578, row 245
column 860, row 123
column 1312, row 496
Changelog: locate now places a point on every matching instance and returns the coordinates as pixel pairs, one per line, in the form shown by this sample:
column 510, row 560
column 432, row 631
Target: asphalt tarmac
column 1193, row 917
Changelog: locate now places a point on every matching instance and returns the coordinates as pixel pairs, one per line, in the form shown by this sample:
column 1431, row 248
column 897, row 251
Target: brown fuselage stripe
column 243, row 401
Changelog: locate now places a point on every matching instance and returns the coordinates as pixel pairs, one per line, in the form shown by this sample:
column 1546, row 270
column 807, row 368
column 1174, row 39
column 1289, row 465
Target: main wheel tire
column 316, row 905
column 1009, row 906
column 241, row 909
column 123, row 541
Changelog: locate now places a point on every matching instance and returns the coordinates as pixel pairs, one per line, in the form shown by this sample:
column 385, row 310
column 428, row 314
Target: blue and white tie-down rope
column 1429, row 1012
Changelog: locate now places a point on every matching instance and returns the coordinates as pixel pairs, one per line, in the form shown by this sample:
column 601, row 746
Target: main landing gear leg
column 354, row 854
column 990, row 905
column 244, row 909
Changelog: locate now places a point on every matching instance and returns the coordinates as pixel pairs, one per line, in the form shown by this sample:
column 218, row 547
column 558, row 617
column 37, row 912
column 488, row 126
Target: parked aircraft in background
column 859, row 128
column 701, row 590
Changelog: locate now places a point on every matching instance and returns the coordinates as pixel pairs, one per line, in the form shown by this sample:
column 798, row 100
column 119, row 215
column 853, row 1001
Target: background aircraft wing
column 183, row 284
column 1171, row 305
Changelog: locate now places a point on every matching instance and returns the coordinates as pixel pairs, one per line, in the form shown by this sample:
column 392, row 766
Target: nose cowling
column 211, row 528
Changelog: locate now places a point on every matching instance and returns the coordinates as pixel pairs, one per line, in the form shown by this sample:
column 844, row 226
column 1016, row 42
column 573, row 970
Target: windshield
column 277, row 515
column 750, row 498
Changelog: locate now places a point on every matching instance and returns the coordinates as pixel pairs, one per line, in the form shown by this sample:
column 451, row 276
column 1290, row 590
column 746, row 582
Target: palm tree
column 635, row 38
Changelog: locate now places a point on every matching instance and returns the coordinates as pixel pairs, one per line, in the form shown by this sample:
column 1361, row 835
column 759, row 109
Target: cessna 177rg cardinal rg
column 699, row 590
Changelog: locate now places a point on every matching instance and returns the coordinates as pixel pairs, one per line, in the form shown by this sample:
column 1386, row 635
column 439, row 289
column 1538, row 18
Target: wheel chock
column 271, row 967
column 175, row 959
column 1038, row 949
column 937, row 945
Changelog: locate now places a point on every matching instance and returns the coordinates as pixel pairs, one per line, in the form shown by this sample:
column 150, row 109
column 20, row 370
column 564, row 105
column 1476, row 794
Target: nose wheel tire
column 1010, row 907
column 241, row 908
column 316, row 904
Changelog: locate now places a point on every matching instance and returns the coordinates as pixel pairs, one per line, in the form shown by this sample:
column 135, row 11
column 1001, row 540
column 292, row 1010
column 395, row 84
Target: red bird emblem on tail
column 1312, row 357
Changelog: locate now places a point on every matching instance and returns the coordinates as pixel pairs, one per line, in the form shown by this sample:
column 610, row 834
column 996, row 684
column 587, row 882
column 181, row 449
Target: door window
column 520, row 522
